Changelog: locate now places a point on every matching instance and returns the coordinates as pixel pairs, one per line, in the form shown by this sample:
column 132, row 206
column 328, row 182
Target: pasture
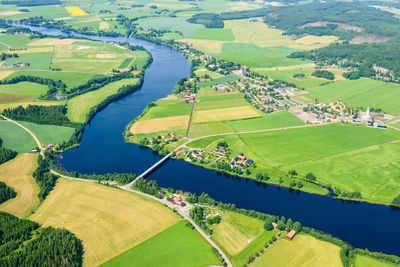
column 23, row 91
column 353, row 158
column 178, row 245
column 80, row 106
column 303, row 250
column 109, row 221
column 178, row 24
column 365, row 261
column 363, row 92
column 214, row 34
column 15, row 138
column 236, row 231
column 50, row 134
column 17, row 174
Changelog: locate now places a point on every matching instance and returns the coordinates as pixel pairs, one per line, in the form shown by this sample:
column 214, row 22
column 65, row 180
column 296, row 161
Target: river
column 103, row 149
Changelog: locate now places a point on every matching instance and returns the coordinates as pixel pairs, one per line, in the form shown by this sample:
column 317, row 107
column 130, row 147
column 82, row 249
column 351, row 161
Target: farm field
column 178, row 245
column 109, row 221
column 335, row 153
column 361, row 93
column 23, row 91
column 16, row 138
column 178, row 24
column 303, row 250
column 214, row 34
column 365, row 261
column 17, row 174
column 19, row 140
column 80, row 106
column 76, row 11
column 236, row 231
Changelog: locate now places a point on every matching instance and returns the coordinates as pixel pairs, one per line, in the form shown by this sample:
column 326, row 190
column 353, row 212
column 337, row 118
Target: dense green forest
column 44, row 179
column 323, row 74
column 6, row 192
column 209, row 20
column 25, row 243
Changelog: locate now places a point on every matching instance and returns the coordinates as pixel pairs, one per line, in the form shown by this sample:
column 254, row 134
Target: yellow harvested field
column 35, row 50
column 230, row 238
column 51, row 41
column 109, row 221
column 303, row 250
column 313, row 40
column 160, row 124
column 104, row 25
column 207, row 46
column 260, row 34
column 5, row 73
column 10, row 13
column 225, row 114
column 25, row 104
column 75, row 11
column 17, row 174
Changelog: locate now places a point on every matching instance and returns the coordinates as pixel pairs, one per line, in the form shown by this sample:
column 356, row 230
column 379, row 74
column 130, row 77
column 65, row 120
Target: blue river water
column 103, row 149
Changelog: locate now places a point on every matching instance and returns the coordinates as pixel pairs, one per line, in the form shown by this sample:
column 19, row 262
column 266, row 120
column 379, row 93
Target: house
column 241, row 156
column 244, row 70
column 274, row 225
column 290, row 235
column 330, row 116
column 249, row 162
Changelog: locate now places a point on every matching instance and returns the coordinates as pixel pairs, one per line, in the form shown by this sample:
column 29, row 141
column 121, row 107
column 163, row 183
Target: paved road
column 127, row 188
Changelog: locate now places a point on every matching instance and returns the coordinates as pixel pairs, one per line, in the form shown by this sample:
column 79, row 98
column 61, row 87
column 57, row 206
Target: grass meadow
column 50, row 134
column 365, row 261
column 303, row 250
column 17, row 174
column 178, row 24
column 363, row 92
column 214, row 34
column 338, row 154
column 23, row 91
column 179, row 245
column 109, row 221
column 15, row 138
column 80, row 106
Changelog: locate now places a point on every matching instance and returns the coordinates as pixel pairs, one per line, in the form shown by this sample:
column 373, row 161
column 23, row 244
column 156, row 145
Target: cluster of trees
column 282, row 224
column 198, row 215
column 44, row 179
column 396, row 200
column 4, row 56
column 6, row 192
column 209, row 20
column 147, row 186
column 376, row 255
column 262, row 177
column 55, row 115
column 6, row 154
column 323, row 74
column 346, row 194
column 24, row 243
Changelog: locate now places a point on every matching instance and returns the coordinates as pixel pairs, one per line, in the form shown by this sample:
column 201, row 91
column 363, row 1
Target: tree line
column 6, row 192
column 44, row 178
column 5, row 153
column 25, row 243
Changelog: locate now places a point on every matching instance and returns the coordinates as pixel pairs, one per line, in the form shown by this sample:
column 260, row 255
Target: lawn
column 236, row 231
column 214, row 34
column 80, row 106
column 109, row 221
column 365, row 261
column 178, row 245
column 50, row 134
column 17, row 174
column 362, row 92
column 303, row 250
column 15, row 138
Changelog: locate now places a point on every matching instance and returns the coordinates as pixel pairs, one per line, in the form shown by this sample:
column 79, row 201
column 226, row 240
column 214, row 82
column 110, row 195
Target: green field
column 222, row 80
column 37, row 61
column 214, row 34
column 178, row 245
column 303, row 250
column 168, row 107
column 21, row 91
column 15, row 41
column 353, row 158
column 361, row 93
column 172, row 24
column 80, row 106
column 15, row 138
column 18, row 139
column 71, row 79
column 365, row 261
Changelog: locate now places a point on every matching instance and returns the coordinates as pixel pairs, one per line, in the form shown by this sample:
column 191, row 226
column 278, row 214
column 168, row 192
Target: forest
column 6, row 192
column 5, row 153
column 209, row 20
column 44, row 179
column 25, row 243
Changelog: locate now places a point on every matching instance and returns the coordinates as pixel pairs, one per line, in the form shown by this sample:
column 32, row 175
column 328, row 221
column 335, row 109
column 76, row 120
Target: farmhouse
column 290, row 235
column 274, row 225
